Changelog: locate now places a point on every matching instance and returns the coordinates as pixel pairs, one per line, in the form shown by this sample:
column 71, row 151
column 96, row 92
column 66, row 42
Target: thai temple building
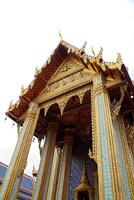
column 26, row 186
column 81, row 109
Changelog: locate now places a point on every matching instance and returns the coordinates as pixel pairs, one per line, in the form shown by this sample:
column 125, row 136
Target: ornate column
column 42, row 181
column 54, row 174
column 130, row 139
column 124, row 162
column 108, row 172
column 16, row 187
column 64, row 176
column 21, row 151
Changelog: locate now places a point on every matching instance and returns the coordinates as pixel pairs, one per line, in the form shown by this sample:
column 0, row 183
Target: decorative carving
column 84, row 190
column 118, row 59
column 93, row 153
column 24, row 90
column 62, row 100
column 72, row 78
column 64, row 82
column 90, row 153
column 116, row 105
column 64, row 85
column 130, row 134
column 99, row 55
column 66, row 68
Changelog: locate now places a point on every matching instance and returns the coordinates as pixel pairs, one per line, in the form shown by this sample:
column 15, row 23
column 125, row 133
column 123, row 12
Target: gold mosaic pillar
column 17, row 183
column 108, row 172
column 42, row 182
column 21, row 151
column 130, row 140
column 16, row 187
column 64, row 176
column 54, row 174
column 124, row 162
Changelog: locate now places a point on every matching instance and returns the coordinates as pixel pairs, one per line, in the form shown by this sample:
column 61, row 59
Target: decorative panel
column 121, row 162
column 108, row 194
column 78, row 161
column 70, row 75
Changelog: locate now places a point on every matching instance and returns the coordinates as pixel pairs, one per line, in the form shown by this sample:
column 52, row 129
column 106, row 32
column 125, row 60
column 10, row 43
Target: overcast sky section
column 29, row 33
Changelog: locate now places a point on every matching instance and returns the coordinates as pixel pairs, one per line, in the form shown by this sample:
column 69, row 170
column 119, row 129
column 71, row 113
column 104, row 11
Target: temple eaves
column 43, row 75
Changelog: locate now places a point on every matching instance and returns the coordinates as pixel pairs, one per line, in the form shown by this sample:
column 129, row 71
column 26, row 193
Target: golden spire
column 84, row 183
column 84, row 178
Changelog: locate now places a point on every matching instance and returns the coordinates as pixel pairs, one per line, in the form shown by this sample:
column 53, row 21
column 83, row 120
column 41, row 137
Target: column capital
column 99, row 79
column 31, row 112
column 53, row 126
column 99, row 84
column 68, row 135
column 69, row 130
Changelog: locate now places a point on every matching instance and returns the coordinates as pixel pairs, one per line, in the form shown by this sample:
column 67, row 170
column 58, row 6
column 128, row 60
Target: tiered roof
column 43, row 75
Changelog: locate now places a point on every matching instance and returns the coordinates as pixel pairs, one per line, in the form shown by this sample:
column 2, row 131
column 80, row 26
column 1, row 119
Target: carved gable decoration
column 69, row 76
column 68, row 67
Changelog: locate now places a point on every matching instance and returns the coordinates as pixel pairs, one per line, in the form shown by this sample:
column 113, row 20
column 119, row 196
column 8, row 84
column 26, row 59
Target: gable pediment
column 70, row 75
column 69, row 66
column 66, row 69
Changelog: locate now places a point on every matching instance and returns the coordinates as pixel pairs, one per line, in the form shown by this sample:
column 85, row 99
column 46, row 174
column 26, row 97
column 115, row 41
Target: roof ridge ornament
column 11, row 104
column 93, row 52
column 61, row 38
column 36, row 71
column 82, row 49
column 22, row 90
column 119, row 58
column 99, row 55
column 119, row 61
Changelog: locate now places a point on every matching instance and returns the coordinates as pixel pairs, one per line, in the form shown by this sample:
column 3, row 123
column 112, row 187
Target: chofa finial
column 22, row 89
column 36, row 70
column 119, row 58
column 100, row 52
column 93, row 52
column 11, row 104
column 61, row 38
column 82, row 49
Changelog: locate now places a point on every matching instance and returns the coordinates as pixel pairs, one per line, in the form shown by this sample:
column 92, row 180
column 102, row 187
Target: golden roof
column 43, row 75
